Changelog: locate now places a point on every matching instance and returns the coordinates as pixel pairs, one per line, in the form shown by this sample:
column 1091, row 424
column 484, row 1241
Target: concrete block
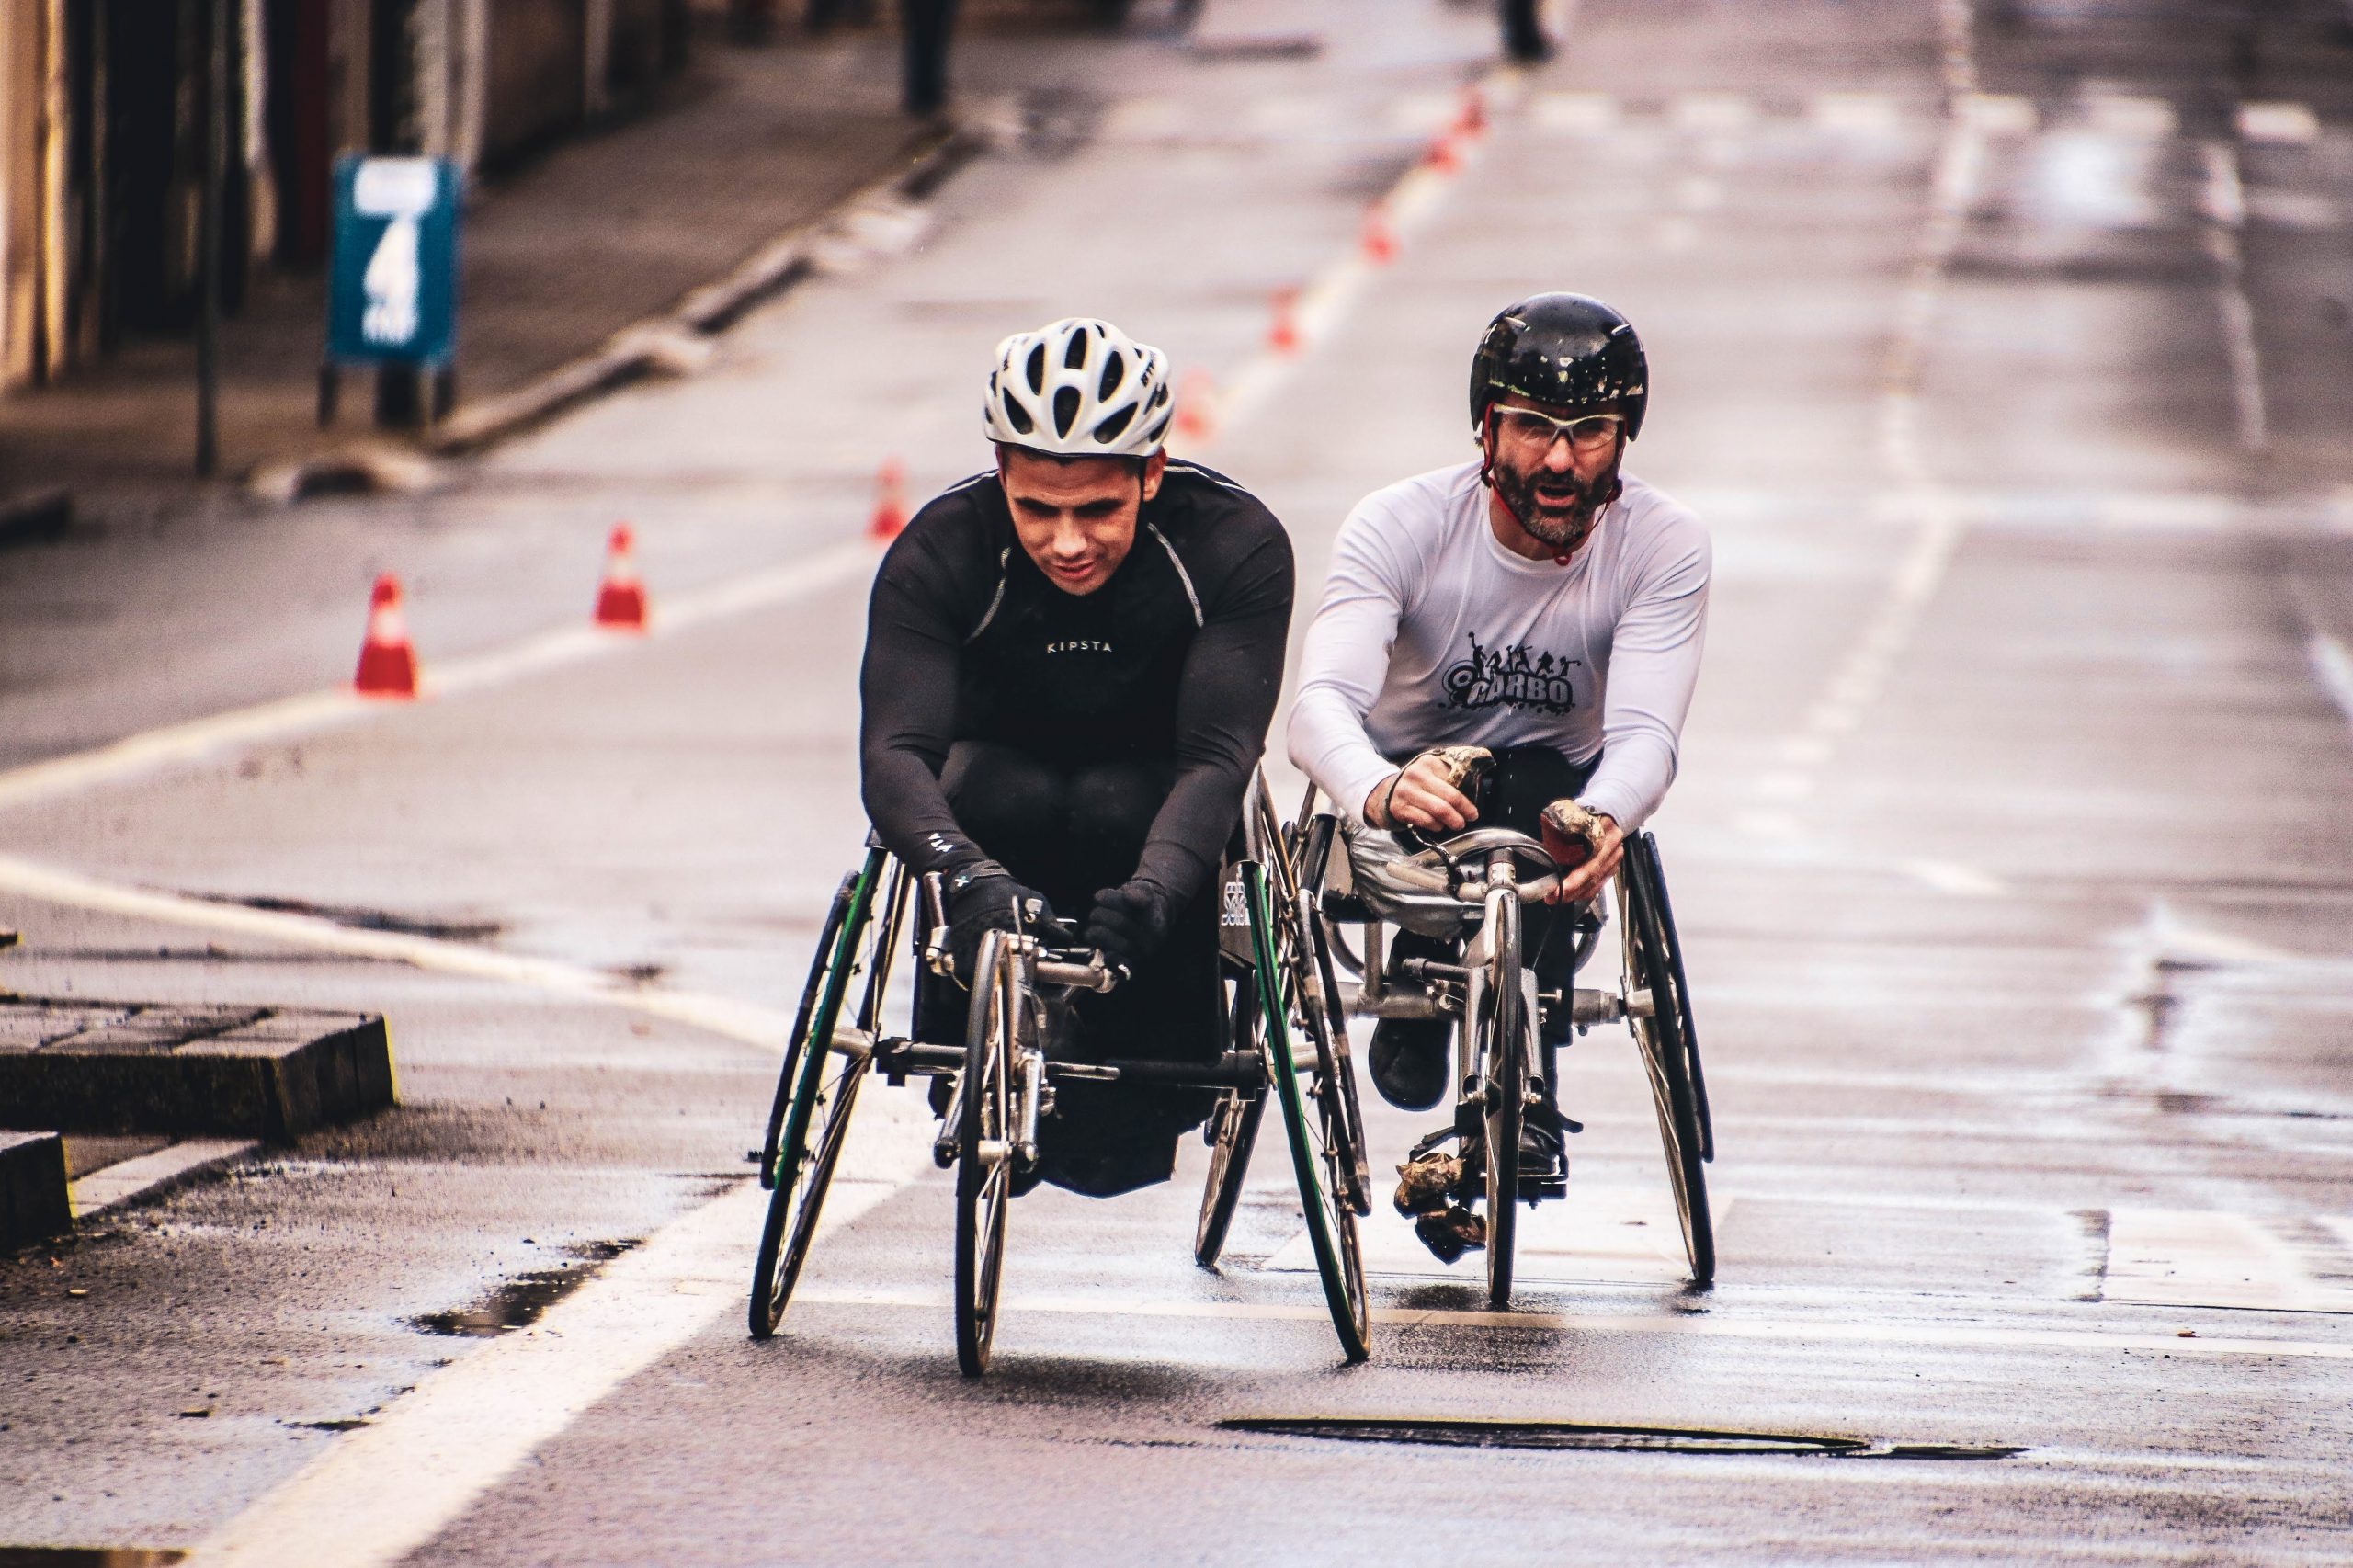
column 33, row 1202
column 271, row 1073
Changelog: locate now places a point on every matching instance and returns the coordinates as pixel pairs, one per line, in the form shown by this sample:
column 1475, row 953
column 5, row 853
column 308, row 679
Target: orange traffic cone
column 1282, row 332
column 889, row 501
column 1197, row 406
column 620, row 603
column 1379, row 239
column 1473, row 120
column 1442, row 155
column 387, row 663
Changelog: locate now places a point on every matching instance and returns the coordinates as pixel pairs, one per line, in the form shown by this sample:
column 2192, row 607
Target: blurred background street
column 2007, row 350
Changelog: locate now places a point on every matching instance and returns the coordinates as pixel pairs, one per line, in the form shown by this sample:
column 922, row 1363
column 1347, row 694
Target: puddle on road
column 519, row 1301
column 1586, row 1438
column 365, row 919
column 85, row 1557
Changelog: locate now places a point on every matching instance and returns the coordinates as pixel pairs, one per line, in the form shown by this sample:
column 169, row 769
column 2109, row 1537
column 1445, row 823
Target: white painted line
column 310, row 712
column 376, row 1495
column 1949, row 876
column 1711, row 112
column 2292, row 123
column 2001, row 114
column 119, row 1184
column 747, row 1021
column 2148, row 118
column 2225, row 200
column 1721, row 1322
column 1578, row 113
column 2333, row 667
column 1867, row 114
column 2172, row 1257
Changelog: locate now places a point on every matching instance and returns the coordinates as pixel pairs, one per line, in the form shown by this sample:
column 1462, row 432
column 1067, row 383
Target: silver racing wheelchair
column 1283, row 1036
column 1471, row 886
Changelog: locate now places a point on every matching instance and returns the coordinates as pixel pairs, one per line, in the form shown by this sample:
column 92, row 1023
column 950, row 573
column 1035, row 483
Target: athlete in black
column 1070, row 663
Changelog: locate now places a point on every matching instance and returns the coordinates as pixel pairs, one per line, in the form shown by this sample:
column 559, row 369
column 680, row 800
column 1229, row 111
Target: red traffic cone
column 1282, row 332
column 1473, row 120
column 387, row 663
column 620, row 603
column 1197, row 406
column 1379, row 239
column 889, row 501
column 1442, row 155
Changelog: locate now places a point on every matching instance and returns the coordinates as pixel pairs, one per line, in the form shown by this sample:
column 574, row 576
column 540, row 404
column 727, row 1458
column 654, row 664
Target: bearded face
column 1558, row 508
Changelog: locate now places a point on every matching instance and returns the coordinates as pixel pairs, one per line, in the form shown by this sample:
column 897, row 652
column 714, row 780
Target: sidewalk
column 604, row 231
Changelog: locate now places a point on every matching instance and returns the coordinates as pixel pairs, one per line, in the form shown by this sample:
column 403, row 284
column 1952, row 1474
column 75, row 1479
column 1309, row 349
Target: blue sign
column 393, row 278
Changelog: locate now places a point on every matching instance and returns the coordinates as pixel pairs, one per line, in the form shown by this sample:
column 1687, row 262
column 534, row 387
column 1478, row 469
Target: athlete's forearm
column 907, row 690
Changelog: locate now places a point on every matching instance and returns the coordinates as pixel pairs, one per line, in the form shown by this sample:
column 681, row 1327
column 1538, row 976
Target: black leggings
column 1071, row 830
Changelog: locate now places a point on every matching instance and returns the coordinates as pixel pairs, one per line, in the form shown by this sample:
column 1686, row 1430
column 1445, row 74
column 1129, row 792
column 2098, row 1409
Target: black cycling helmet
column 1564, row 350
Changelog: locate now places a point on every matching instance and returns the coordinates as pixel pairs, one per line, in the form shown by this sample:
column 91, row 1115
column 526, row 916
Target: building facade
column 106, row 121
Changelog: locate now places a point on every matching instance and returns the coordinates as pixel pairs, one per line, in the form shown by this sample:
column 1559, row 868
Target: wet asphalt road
column 2006, row 354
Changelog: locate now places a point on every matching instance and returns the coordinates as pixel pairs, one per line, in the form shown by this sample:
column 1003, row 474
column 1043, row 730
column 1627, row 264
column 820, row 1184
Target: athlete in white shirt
column 1537, row 603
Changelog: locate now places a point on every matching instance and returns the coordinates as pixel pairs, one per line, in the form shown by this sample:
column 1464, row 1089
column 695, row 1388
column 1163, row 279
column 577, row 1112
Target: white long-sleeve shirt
column 1432, row 633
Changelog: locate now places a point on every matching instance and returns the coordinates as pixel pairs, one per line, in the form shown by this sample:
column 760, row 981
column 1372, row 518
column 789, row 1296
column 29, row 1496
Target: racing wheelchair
column 1471, row 886
column 1281, row 1036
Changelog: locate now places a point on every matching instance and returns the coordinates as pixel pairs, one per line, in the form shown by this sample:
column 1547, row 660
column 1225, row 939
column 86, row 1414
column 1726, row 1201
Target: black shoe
column 1409, row 1061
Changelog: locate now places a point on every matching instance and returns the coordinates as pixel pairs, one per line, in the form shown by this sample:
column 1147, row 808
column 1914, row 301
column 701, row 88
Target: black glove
column 1130, row 922
column 984, row 897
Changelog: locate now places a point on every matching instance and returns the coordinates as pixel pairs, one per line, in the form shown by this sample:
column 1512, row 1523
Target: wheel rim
column 982, row 1182
column 1658, row 1038
column 1506, row 1084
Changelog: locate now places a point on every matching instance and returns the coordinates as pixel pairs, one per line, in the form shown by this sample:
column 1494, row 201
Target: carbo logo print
column 1510, row 678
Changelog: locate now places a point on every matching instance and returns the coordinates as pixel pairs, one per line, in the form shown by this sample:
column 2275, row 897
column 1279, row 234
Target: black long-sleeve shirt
column 1178, row 657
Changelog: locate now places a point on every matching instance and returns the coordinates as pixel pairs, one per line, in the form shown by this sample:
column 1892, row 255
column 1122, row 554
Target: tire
column 1313, row 1121
column 1655, row 871
column 1506, row 1063
column 816, row 1094
column 1667, row 1061
column 984, row 1174
column 1233, row 1134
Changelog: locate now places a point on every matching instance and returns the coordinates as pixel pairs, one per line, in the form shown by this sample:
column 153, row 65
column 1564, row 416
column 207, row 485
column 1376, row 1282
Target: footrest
column 1235, row 1069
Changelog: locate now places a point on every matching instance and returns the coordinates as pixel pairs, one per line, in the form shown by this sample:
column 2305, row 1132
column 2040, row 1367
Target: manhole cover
column 1585, row 1435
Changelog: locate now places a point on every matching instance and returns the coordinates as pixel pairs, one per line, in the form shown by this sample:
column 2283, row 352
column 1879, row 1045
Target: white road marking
column 2117, row 115
column 2332, row 667
column 1949, row 876
column 1582, row 114
column 2292, row 123
column 376, row 1495
column 117, row 1184
column 1721, row 1322
column 1711, row 112
column 311, row 712
column 2000, row 114
column 2224, row 198
column 2172, row 1257
column 1869, row 114
column 745, row 1022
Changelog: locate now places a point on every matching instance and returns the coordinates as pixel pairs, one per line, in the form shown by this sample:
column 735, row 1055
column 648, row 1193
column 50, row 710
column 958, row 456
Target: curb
column 265, row 1072
column 33, row 1188
column 877, row 218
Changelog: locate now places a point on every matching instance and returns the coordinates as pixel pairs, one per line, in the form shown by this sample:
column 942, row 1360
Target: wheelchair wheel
column 984, row 1152
column 1322, row 1154
column 1233, row 1134
column 816, row 1091
column 1659, row 1032
column 1296, row 855
column 1505, row 1057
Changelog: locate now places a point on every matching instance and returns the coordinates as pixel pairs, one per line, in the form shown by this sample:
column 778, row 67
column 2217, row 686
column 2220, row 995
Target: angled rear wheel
column 1659, row 1021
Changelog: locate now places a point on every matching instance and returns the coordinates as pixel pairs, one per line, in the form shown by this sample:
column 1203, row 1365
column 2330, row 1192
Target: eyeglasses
column 1586, row 433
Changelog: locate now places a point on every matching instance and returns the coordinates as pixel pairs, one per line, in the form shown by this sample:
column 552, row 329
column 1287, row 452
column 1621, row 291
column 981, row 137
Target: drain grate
column 1585, row 1437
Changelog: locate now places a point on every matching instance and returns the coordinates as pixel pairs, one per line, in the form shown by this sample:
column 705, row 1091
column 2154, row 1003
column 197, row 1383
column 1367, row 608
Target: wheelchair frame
column 1489, row 995
column 1280, row 1008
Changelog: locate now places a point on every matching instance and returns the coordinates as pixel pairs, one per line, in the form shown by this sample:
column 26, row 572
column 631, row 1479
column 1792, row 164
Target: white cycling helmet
column 1079, row 388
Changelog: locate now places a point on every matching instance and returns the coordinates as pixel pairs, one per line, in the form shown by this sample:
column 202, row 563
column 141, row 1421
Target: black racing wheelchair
column 1285, row 1033
column 1471, row 888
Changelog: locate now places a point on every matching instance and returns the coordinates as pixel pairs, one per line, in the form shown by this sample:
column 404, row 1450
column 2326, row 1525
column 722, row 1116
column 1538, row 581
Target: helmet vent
column 1114, row 368
column 1066, row 403
column 1114, row 426
column 1018, row 417
column 1037, row 368
column 1074, row 354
